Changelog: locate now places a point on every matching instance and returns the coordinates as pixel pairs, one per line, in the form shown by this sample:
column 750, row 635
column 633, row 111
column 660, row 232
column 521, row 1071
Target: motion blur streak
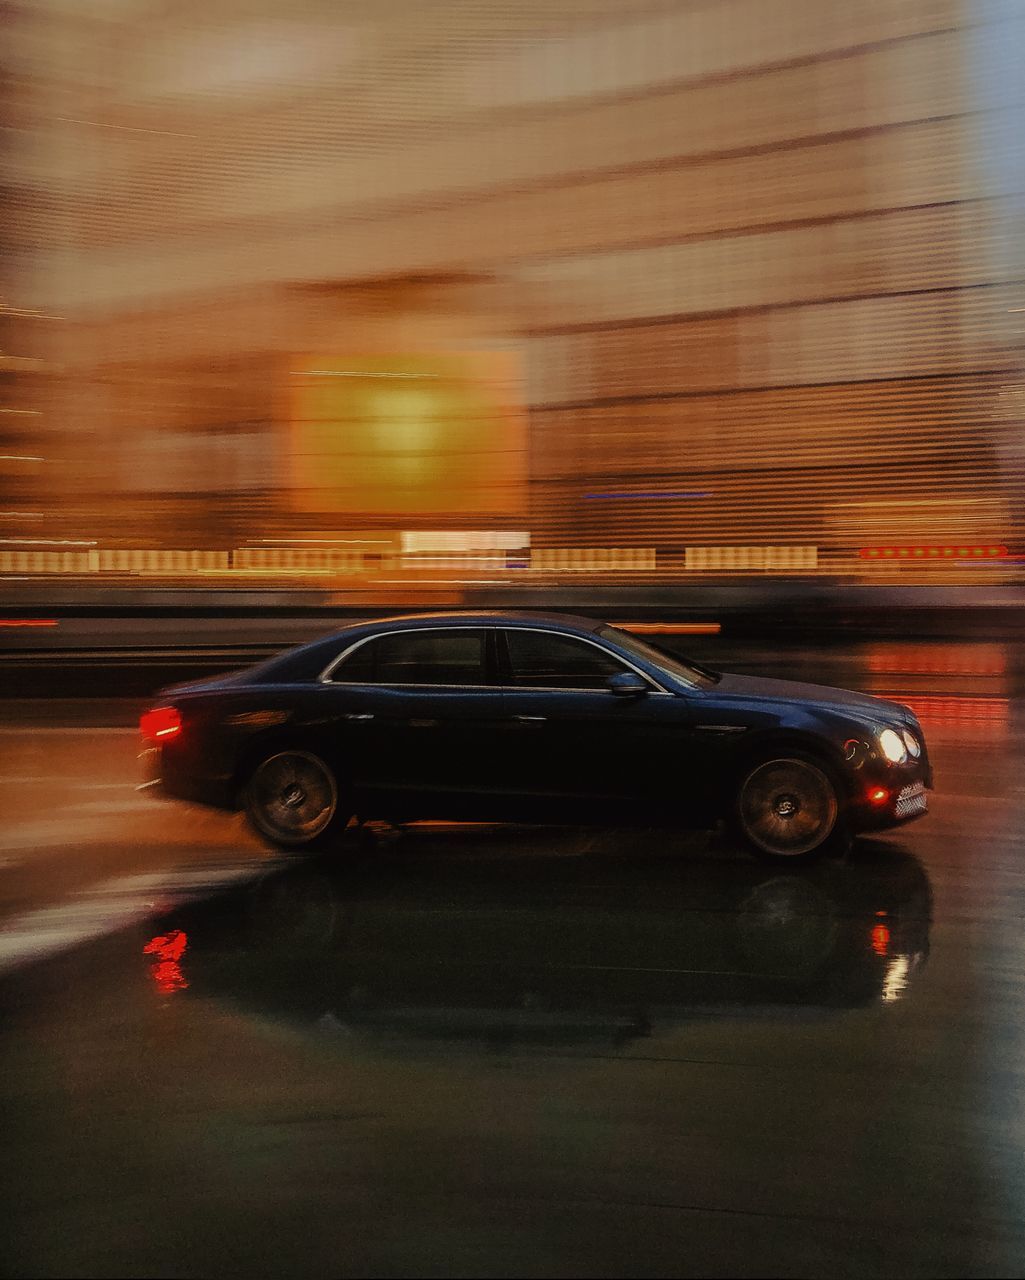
column 671, row 628
column 950, row 660
column 349, row 272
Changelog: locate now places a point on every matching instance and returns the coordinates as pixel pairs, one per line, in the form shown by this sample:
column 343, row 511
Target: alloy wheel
column 787, row 807
column 293, row 797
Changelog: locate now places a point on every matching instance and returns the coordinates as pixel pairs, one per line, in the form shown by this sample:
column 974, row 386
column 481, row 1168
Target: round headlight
column 913, row 745
column 892, row 746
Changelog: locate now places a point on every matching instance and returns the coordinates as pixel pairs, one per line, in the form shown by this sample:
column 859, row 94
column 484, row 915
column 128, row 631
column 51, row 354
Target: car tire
column 788, row 807
column 293, row 800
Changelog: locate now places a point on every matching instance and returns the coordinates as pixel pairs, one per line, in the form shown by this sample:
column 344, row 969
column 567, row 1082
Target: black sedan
column 532, row 718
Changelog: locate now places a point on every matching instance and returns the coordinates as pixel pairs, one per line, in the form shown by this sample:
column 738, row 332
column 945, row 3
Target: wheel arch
column 758, row 747
column 284, row 738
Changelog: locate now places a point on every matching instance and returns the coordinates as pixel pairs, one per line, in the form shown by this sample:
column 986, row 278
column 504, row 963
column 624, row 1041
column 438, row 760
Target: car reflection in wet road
column 458, row 936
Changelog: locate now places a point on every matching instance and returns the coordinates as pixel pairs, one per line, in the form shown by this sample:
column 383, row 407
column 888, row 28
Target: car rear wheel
column 787, row 808
column 292, row 800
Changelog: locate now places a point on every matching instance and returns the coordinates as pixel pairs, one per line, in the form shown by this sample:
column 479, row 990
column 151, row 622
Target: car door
column 419, row 715
column 570, row 740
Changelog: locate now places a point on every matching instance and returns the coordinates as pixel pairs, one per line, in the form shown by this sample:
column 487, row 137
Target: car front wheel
column 787, row 808
column 292, row 800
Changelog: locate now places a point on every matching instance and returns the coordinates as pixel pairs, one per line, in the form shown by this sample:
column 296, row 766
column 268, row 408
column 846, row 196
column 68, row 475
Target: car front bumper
column 906, row 798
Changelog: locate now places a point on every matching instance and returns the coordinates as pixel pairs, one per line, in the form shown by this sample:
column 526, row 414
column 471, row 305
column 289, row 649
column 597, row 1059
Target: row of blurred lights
column 889, row 553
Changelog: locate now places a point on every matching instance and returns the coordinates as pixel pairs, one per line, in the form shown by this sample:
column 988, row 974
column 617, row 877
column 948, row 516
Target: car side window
column 454, row 657
column 544, row 660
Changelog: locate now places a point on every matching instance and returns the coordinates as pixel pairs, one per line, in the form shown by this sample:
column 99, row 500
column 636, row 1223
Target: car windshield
column 691, row 673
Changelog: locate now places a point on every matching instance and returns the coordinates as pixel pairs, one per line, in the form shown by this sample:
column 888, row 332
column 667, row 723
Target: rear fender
column 318, row 741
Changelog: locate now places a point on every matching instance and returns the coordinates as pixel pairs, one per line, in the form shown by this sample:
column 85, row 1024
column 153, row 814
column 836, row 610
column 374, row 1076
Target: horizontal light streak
column 29, row 622
column 671, row 628
column 122, row 128
column 442, row 582
column 940, row 708
column 358, row 373
column 946, row 661
column 651, row 495
column 931, row 552
column 47, row 542
column 325, row 541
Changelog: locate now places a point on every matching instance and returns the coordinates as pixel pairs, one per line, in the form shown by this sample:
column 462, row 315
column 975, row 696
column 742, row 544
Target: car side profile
column 532, row 718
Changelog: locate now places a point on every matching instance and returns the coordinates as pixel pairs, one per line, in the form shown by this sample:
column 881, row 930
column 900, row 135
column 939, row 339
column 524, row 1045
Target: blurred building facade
column 696, row 287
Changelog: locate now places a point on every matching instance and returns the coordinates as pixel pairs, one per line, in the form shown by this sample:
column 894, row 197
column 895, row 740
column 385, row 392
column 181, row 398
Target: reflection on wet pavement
column 468, row 934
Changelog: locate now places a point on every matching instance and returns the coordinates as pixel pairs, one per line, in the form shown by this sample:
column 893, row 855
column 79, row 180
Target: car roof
column 484, row 618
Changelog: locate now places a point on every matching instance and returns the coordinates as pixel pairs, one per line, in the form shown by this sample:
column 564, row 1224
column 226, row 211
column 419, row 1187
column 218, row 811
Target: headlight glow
column 913, row 745
column 892, row 746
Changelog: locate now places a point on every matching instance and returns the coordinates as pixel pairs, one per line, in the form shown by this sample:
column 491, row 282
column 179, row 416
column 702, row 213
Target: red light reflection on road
column 972, row 718
column 881, row 939
column 167, row 950
column 942, row 660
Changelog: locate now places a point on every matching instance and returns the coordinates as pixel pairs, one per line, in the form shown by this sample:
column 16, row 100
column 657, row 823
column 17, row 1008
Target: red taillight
column 160, row 724
column 878, row 796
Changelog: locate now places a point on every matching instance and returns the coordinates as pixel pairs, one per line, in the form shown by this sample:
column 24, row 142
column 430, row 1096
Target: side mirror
column 627, row 684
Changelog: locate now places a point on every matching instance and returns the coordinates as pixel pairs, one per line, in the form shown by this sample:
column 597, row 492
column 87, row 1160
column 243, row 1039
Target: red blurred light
column 878, row 796
column 880, row 939
column 161, row 722
column 168, row 976
column 28, row 622
column 167, row 946
column 167, row 950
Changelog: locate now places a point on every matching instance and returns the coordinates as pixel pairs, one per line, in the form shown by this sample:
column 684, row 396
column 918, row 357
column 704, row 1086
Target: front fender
column 763, row 744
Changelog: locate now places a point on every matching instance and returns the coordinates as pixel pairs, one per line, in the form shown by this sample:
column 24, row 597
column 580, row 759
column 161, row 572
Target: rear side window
column 544, row 660
column 416, row 657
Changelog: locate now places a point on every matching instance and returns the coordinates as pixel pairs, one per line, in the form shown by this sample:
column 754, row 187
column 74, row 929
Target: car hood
column 817, row 695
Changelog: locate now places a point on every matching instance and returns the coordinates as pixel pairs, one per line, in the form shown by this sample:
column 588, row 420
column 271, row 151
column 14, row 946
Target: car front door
column 571, row 741
column 418, row 714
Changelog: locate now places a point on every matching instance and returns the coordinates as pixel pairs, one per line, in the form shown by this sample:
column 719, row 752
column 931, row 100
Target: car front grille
column 912, row 800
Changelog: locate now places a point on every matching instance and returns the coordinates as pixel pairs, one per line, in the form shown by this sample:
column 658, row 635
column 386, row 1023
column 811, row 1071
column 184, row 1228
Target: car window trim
column 570, row 635
column 497, row 631
column 487, row 661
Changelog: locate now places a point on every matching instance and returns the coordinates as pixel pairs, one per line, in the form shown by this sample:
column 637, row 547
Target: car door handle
column 359, row 715
column 531, row 719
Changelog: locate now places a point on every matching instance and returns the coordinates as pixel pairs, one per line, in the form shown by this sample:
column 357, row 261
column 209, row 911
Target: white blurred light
column 414, row 540
column 49, row 542
column 892, row 746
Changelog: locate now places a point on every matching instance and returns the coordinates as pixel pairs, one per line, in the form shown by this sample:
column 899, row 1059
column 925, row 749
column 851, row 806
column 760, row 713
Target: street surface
column 498, row 1051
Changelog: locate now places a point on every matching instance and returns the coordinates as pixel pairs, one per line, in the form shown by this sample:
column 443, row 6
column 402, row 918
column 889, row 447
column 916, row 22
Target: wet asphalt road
column 487, row 1051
